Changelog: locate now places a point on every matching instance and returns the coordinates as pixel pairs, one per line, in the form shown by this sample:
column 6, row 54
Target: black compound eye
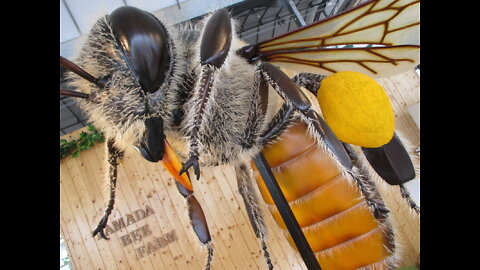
column 145, row 44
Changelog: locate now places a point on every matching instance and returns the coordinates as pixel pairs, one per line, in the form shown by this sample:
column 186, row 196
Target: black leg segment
column 310, row 81
column 391, row 161
column 113, row 155
column 250, row 199
column 198, row 221
column 294, row 96
column 278, row 124
column 214, row 48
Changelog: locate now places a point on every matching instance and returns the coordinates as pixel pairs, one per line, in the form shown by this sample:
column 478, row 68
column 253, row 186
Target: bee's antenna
column 80, row 72
column 70, row 93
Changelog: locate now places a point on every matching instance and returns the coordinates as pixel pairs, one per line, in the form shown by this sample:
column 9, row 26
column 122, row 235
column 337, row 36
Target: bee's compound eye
column 145, row 43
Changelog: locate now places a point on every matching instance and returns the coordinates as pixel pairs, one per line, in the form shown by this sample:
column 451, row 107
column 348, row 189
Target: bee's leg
column 198, row 221
column 113, row 154
column 391, row 161
column 214, row 48
column 362, row 179
column 410, row 201
column 393, row 164
column 202, row 95
column 244, row 181
column 290, row 92
column 258, row 110
column 310, row 81
column 278, row 124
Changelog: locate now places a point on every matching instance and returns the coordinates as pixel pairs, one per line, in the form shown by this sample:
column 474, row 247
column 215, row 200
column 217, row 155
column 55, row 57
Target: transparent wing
column 373, row 61
column 392, row 27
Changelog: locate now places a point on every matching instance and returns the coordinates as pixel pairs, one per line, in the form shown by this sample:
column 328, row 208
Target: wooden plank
column 68, row 246
column 72, row 216
column 120, row 210
column 95, row 172
column 95, row 216
column 222, row 259
column 134, row 179
column 404, row 91
column 83, row 202
column 276, row 254
column 64, row 232
column 236, row 240
column 228, row 173
column 213, row 202
column 175, row 210
column 148, row 191
column 87, row 199
column 130, row 190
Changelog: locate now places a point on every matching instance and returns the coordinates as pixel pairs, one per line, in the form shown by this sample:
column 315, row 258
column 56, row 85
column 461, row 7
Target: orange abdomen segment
column 330, row 208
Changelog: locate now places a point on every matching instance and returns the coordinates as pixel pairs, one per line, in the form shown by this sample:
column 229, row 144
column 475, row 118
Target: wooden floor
column 404, row 91
column 168, row 242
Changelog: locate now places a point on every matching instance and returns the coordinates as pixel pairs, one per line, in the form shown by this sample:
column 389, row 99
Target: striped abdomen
column 330, row 208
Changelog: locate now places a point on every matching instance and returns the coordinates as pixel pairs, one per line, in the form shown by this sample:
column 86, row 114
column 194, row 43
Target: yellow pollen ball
column 357, row 109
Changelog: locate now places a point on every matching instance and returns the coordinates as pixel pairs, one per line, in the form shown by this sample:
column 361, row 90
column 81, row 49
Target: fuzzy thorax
column 224, row 115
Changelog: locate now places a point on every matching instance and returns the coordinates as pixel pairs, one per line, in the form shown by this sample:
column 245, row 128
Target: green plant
column 84, row 142
column 65, row 260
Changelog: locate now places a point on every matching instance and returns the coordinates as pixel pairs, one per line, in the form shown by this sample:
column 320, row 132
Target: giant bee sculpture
column 196, row 95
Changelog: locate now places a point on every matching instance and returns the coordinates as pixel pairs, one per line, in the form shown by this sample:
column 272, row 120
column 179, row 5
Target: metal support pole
column 286, row 212
column 293, row 9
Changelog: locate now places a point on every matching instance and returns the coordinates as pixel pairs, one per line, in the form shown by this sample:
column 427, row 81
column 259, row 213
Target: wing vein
column 391, row 25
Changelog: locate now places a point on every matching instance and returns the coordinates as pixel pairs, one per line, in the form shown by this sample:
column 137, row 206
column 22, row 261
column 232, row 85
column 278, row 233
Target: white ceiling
column 77, row 17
